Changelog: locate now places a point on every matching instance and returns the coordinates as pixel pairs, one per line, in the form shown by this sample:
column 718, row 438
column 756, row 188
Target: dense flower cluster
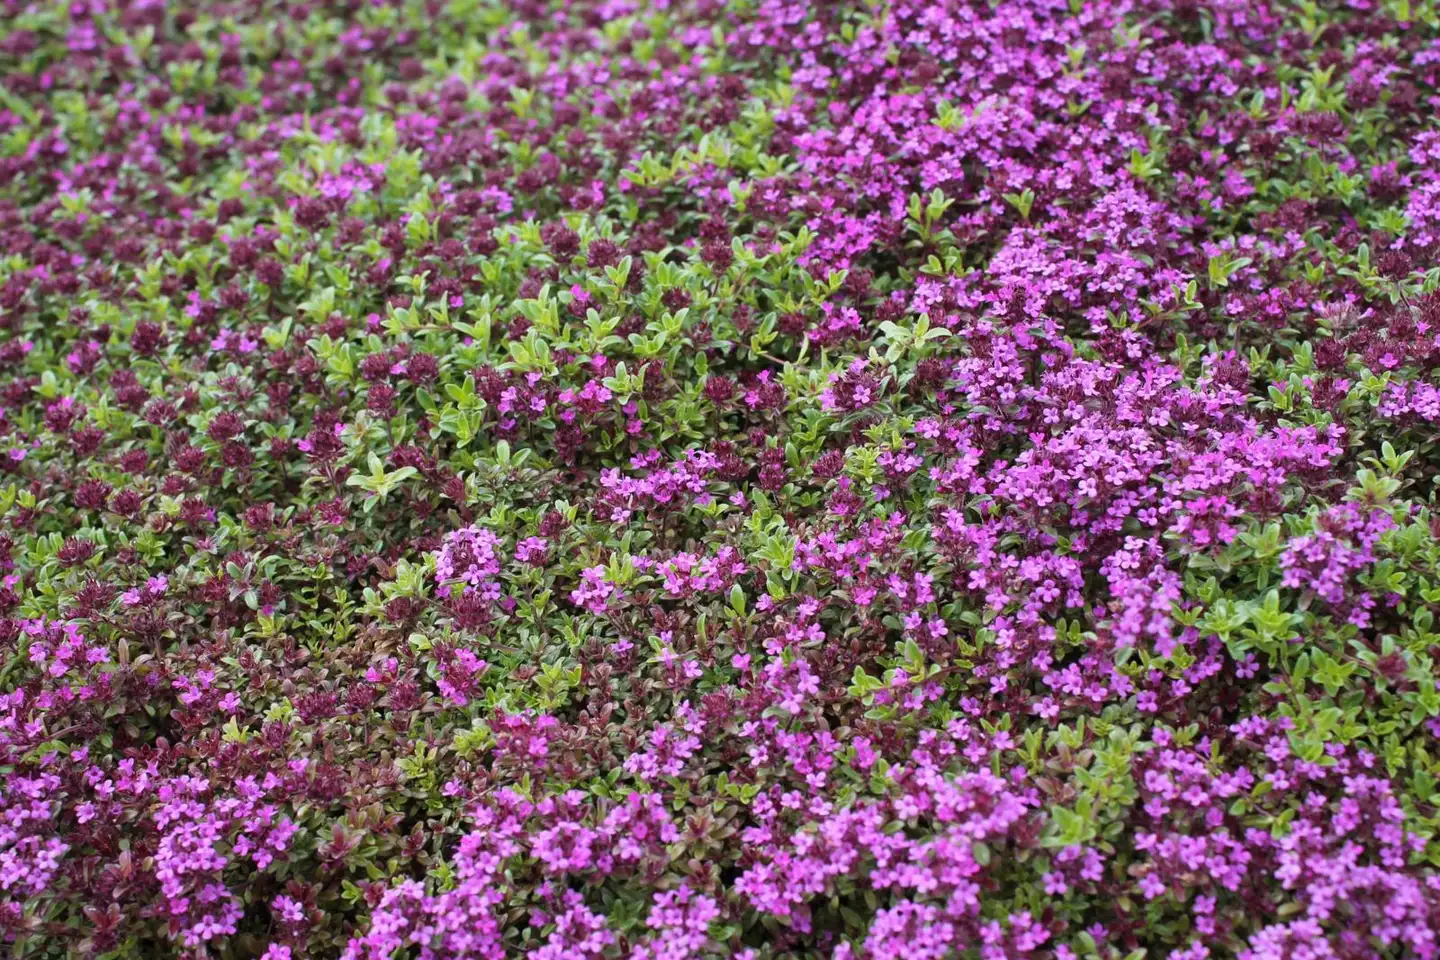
column 609, row 480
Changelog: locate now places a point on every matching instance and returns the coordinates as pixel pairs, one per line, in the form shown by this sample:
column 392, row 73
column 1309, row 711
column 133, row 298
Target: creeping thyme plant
column 639, row 480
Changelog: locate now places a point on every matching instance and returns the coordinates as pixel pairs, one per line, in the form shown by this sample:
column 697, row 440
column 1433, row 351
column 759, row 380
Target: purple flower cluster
column 599, row 480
